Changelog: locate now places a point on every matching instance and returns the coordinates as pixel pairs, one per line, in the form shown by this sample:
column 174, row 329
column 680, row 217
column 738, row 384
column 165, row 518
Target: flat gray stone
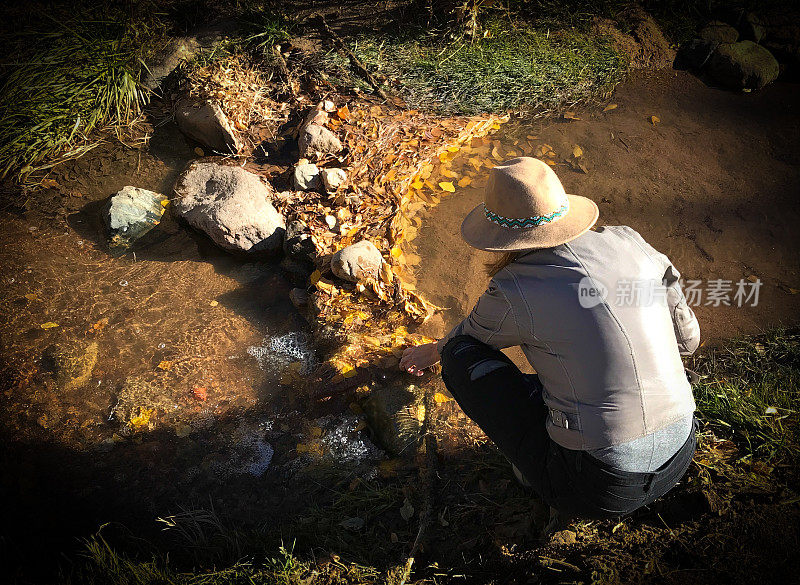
column 357, row 262
column 743, row 65
column 207, row 124
column 230, row 205
column 131, row 213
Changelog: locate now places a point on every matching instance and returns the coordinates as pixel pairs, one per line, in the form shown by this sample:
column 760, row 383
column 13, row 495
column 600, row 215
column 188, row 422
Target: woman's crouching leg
column 493, row 392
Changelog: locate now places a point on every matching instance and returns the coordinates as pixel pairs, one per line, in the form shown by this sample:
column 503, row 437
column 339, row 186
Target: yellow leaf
column 440, row 398
column 343, row 112
column 453, row 148
column 396, row 252
column 465, row 181
column 570, row 116
column 315, row 276
column 213, row 303
column 142, row 419
column 418, row 184
column 447, row 186
column 48, row 325
column 654, row 120
column 610, row 107
column 386, row 273
column 496, row 153
column 31, row 297
column 577, row 151
column 164, row 365
column 475, row 162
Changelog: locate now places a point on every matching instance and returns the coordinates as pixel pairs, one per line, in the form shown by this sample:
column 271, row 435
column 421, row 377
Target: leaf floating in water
column 610, row 107
column 654, row 120
column 447, row 186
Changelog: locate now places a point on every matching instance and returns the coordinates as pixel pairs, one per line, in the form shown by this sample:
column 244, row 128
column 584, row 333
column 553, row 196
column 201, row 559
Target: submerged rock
column 71, row 363
column 232, row 206
column 743, row 65
column 131, row 213
column 394, row 415
column 357, row 262
column 207, row 124
column 306, row 177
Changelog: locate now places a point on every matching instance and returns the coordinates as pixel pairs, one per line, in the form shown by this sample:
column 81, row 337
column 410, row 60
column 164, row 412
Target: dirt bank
column 713, row 184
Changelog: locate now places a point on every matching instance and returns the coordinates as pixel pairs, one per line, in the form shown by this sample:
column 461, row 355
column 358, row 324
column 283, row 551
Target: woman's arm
column 491, row 321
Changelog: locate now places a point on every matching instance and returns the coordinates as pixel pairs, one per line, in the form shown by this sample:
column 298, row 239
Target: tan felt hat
column 525, row 208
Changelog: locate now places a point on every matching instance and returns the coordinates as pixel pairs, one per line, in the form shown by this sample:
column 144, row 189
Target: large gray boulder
column 743, row 65
column 207, row 124
column 131, row 213
column 357, row 262
column 231, row 205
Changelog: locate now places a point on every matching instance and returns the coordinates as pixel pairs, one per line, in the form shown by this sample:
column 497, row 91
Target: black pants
column 507, row 405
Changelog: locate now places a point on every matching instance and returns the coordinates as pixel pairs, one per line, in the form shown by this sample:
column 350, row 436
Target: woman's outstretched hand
column 418, row 357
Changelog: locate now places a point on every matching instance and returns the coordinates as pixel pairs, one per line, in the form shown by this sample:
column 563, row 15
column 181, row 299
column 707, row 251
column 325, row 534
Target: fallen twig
column 355, row 61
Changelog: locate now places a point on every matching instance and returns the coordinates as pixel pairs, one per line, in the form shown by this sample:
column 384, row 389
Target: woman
column 606, row 425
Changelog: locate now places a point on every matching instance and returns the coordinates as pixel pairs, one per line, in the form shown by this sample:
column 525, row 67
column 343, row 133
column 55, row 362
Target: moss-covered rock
column 394, row 415
column 71, row 363
column 743, row 65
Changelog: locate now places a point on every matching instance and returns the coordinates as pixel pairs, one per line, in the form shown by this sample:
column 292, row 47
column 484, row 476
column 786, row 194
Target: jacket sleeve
column 687, row 328
column 491, row 321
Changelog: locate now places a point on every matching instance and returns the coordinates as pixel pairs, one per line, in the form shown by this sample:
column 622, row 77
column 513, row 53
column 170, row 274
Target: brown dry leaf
column 752, row 278
column 610, row 107
column 465, row 181
column 577, row 151
column 654, row 120
column 343, row 113
column 570, row 116
column 386, row 273
column 496, row 153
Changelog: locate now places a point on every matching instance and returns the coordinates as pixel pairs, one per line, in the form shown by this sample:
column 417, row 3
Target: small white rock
column 357, row 261
column 306, row 177
column 332, row 178
column 328, row 106
column 331, row 221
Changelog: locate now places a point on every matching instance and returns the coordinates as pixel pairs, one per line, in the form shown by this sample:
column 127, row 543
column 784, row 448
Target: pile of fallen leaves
column 249, row 100
column 391, row 159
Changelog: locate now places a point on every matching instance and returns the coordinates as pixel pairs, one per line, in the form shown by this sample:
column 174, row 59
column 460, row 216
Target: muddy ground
column 713, row 185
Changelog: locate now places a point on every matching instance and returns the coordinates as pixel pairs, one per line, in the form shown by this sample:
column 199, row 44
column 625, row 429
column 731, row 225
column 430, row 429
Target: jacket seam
column 625, row 335
column 527, row 308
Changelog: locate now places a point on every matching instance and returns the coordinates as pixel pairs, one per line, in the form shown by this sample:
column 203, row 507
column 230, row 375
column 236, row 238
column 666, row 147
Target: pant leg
column 505, row 403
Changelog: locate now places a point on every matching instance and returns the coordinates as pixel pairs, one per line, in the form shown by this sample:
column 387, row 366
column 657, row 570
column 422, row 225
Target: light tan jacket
column 610, row 364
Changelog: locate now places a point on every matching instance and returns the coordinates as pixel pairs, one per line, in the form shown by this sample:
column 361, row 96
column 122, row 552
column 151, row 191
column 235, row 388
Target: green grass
column 64, row 79
column 514, row 67
column 750, row 393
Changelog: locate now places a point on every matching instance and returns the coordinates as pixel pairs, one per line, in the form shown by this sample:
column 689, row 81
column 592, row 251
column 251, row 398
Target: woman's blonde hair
column 502, row 261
